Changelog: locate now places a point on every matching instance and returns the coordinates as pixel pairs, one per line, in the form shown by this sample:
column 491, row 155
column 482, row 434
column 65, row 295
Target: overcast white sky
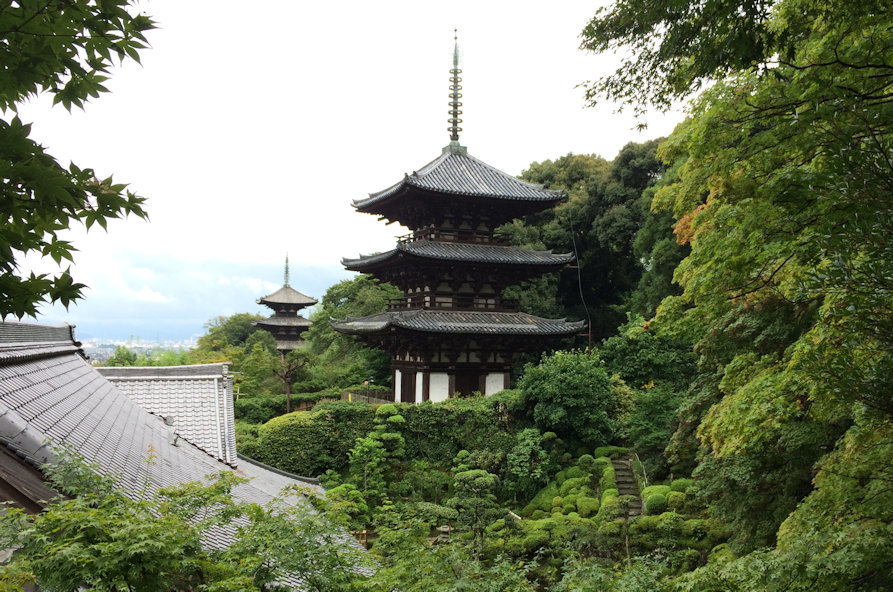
column 251, row 126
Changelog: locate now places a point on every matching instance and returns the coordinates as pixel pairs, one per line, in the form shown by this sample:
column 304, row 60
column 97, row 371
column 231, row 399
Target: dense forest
column 727, row 426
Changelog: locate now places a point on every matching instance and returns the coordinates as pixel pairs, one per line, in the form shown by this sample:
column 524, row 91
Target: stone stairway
column 626, row 483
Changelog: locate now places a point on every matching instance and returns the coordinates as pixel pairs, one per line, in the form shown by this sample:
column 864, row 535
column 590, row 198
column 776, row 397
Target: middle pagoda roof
column 459, row 252
column 457, row 181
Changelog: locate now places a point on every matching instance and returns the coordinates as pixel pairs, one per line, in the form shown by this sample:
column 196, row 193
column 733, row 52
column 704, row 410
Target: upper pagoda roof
column 455, row 172
column 462, row 322
column 287, row 295
column 461, row 252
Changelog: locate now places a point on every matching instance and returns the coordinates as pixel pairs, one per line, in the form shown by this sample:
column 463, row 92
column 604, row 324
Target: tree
column 122, row 357
column 570, row 393
column 783, row 198
column 65, row 48
column 344, row 360
column 599, row 223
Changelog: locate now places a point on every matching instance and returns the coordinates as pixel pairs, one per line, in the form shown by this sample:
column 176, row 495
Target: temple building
column 452, row 331
column 286, row 324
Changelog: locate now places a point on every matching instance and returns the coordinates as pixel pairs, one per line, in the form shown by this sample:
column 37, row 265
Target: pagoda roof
column 287, row 295
column 461, row 252
column 283, row 321
column 456, row 172
column 457, row 322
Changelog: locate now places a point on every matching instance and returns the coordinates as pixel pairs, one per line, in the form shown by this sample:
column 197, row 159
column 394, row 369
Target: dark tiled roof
column 50, row 397
column 466, row 252
column 458, row 322
column 287, row 295
column 457, row 172
column 283, row 321
column 198, row 399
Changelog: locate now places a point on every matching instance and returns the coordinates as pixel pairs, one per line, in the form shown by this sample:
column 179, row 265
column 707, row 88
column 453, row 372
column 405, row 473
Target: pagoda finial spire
column 286, row 269
column 455, row 95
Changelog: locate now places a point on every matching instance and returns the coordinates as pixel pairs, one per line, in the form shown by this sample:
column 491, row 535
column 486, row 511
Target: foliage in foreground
column 64, row 48
column 101, row 539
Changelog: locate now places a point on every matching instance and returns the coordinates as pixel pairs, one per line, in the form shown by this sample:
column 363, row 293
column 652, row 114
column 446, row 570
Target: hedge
column 309, row 443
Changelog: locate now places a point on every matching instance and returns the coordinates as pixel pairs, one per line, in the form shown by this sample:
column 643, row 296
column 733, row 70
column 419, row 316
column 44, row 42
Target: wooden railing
column 453, row 236
column 435, row 302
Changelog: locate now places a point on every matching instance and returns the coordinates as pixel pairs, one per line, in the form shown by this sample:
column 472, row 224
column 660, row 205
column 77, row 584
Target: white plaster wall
column 398, row 384
column 495, row 383
column 439, row 386
column 419, row 377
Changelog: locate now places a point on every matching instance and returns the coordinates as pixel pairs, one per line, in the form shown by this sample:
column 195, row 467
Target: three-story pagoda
column 452, row 331
column 286, row 324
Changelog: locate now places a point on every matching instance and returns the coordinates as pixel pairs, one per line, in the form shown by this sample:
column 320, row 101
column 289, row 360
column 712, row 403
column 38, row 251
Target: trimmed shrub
column 574, row 472
column 560, row 477
column 586, row 463
column 570, row 485
column 587, row 506
column 537, row 514
column 557, row 501
column 652, row 489
column 656, row 504
column 610, row 451
column 676, row 501
column 681, row 485
column 309, row 442
column 607, row 480
column 543, row 500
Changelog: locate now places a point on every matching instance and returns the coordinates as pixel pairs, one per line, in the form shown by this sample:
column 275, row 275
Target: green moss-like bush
column 543, row 500
column 681, row 485
column 587, row 506
column 570, row 485
column 574, row 472
column 676, row 501
column 309, row 442
column 607, row 480
column 570, row 499
column 610, row 451
column 537, row 515
column 560, row 477
column 656, row 504
column 653, row 489
column 586, row 463
column 557, row 501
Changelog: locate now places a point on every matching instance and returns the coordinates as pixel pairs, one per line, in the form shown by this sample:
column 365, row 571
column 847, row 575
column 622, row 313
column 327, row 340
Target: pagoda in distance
column 452, row 331
column 286, row 324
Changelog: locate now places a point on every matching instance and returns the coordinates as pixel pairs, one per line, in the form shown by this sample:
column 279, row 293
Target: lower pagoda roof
column 457, row 322
column 460, row 252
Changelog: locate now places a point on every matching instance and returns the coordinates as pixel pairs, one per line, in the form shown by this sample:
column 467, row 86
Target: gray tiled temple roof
column 287, row 295
column 465, row 252
column 51, row 397
column 198, row 399
column 461, row 322
column 457, row 172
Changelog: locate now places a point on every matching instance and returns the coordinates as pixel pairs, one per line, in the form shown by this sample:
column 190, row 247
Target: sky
column 251, row 127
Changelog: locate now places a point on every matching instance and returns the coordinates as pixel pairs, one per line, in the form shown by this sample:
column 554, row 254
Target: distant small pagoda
column 286, row 325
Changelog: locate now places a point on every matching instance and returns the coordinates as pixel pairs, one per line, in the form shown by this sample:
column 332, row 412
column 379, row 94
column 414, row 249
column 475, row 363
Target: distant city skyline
column 251, row 131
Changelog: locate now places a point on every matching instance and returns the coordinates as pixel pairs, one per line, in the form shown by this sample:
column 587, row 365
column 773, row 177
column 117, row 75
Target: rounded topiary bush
column 676, row 501
column 652, row 489
column 574, row 472
column 570, row 485
column 586, row 463
column 656, row 504
column 537, row 514
column 557, row 501
column 681, row 485
column 587, row 506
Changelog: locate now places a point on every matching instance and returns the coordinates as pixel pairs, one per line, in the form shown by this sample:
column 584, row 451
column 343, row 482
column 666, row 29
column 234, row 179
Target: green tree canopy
column 64, row 48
